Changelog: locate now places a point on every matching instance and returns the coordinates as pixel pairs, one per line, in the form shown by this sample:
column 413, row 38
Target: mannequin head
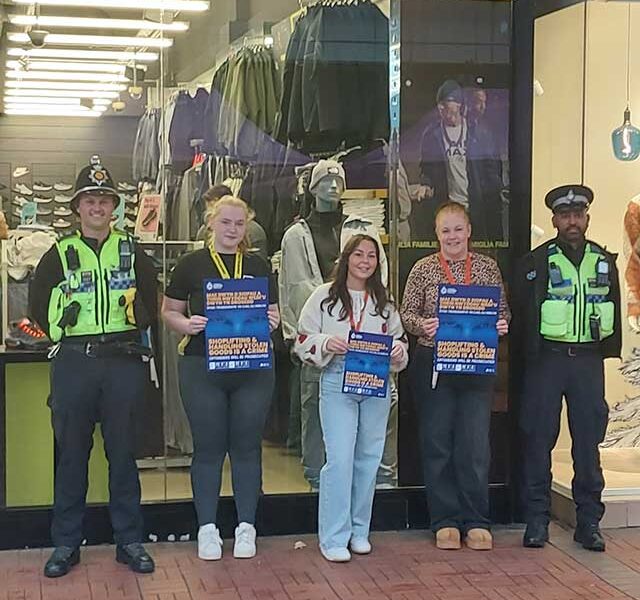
column 327, row 185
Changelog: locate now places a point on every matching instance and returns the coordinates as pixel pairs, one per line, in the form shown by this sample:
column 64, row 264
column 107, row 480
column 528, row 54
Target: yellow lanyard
column 222, row 269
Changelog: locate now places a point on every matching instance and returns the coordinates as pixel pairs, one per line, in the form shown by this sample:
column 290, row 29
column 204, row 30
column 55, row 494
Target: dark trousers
column 580, row 379
column 227, row 411
column 454, row 429
column 85, row 391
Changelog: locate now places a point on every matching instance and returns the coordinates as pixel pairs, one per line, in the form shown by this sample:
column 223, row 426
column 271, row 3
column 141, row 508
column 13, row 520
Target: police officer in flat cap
column 568, row 307
column 93, row 293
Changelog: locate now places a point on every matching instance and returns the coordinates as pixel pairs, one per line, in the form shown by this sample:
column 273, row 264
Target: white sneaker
column 61, row 224
column 21, row 188
column 245, row 544
column 19, row 200
column 336, row 554
column 62, row 212
column 40, row 186
column 209, row 542
column 62, row 199
column 62, row 187
column 360, row 545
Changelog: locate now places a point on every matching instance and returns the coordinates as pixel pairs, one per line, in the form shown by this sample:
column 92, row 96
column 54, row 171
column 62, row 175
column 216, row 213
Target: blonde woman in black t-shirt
column 226, row 410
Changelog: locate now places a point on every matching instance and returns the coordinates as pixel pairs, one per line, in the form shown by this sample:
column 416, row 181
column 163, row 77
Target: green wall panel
column 29, row 441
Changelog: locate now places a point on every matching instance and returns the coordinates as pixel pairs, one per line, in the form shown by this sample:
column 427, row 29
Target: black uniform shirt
column 575, row 255
column 49, row 274
column 187, row 281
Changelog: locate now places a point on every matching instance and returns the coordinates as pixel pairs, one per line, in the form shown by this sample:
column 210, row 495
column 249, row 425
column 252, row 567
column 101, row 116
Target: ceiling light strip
column 178, row 5
column 89, row 23
column 66, row 85
column 41, row 100
column 85, row 67
column 63, row 39
column 69, row 54
column 61, row 76
column 97, row 94
column 55, row 107
column 45, row 112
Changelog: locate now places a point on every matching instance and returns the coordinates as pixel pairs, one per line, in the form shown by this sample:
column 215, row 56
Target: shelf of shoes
column 129, row 195
column 49, row 186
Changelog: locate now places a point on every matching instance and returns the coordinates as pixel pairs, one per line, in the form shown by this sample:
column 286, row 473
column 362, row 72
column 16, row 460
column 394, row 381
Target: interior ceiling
column 7, row 8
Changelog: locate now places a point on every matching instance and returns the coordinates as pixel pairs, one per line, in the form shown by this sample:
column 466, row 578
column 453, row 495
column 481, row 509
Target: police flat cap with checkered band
column 569, row 197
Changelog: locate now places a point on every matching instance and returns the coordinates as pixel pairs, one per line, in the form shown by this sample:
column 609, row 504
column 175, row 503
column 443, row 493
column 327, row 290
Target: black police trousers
column 85, row 391
column 576, row 374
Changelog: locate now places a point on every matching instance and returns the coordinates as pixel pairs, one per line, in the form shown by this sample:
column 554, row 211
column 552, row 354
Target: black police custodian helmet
column 569, row 197
column 94, row 178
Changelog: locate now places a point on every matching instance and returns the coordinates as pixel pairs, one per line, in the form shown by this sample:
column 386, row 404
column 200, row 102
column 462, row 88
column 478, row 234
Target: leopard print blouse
column 421, row 291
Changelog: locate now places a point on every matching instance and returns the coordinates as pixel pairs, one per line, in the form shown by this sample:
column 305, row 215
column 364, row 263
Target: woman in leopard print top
column 455, row 413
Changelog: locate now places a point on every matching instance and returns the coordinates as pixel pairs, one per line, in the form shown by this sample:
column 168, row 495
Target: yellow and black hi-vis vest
column 577, row 308
column 103, row 284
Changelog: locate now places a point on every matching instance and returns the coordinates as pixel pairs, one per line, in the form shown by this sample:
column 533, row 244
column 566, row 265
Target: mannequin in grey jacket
column 310, row 248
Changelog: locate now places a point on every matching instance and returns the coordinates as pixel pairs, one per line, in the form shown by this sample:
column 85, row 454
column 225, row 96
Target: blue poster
column 467, row 340
column 237, row 332
column 366, row 367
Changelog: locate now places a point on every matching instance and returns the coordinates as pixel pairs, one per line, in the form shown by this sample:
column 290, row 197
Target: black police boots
column 536, row 535
column 61, row 561
column 136, row 557
column 590, row 537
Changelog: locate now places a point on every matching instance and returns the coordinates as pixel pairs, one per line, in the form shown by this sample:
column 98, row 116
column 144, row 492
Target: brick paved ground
column 403, row 566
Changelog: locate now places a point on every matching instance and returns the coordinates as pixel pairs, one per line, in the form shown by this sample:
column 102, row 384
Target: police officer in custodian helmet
column 568, row 303
column 93, row 293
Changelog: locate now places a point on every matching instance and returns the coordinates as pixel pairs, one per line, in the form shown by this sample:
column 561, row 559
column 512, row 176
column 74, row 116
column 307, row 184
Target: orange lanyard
column 447, row 270
column 356, row 326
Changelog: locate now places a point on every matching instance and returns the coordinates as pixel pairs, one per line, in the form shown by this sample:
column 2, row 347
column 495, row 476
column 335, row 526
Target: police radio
column 125, row 251
column 594, row 326
column 555, row 275
column 73, row 259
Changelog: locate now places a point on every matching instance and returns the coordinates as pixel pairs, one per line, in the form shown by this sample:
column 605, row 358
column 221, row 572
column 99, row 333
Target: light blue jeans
column 353, row 429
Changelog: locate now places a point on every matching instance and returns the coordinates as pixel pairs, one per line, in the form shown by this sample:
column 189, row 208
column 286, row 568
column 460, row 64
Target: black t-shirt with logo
column 187, row 284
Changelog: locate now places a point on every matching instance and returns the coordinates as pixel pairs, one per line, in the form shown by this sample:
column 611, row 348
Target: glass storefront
column 249, row 95
column 578, row 102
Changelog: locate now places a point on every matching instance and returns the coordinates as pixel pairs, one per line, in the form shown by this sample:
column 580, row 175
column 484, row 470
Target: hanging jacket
column 335, row 81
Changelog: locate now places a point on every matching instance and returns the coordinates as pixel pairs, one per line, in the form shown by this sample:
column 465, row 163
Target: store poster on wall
column 455, row 116
column 467, row 339
column 148, row 219
column 237, row 333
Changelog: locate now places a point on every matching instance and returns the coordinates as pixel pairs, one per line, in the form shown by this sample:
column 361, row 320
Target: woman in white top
column 353, row 426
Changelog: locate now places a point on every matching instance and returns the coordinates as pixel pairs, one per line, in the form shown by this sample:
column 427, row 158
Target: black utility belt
column 108, row 349
column 586, row 349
